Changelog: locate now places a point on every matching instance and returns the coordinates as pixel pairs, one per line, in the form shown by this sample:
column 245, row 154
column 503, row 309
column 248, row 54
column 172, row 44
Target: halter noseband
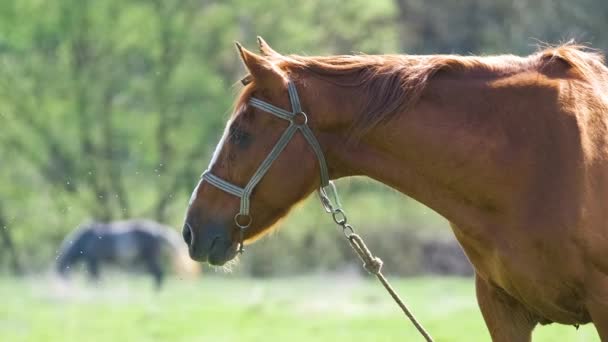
column 298, row 121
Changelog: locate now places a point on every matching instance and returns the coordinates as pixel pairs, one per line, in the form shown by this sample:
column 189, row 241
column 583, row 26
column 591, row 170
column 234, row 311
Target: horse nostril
column 187, row 233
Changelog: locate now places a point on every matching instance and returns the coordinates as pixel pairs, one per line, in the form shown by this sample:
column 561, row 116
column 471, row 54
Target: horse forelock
column 241, row 100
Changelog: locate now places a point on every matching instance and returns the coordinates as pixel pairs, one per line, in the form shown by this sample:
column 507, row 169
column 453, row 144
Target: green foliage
column 110, row 109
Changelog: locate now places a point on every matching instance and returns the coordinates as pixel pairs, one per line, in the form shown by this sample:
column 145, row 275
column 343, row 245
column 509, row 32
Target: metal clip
column 324, row 195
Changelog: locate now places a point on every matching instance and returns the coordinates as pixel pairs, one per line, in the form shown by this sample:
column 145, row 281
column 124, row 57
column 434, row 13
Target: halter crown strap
column 296, row 109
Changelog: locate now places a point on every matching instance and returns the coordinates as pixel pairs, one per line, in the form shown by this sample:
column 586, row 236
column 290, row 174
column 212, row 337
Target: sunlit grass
column 319, row 308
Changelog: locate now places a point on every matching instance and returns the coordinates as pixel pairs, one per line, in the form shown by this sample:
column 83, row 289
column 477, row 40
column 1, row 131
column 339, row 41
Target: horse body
column 513, row 163
column 124, row 243
column 513, row 151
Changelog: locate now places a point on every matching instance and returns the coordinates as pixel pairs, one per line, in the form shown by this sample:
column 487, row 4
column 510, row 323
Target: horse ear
column 265, row 49
column 262, row 71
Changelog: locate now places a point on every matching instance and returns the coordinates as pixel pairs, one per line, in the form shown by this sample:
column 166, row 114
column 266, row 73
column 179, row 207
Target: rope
column 374, row 266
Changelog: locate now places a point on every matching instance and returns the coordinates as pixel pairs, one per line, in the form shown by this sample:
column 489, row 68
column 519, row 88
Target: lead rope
column 371, row 263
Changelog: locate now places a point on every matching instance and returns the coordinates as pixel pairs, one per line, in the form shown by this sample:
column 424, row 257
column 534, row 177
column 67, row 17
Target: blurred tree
column 110, row 109
column 9, row 245
column 502, row 26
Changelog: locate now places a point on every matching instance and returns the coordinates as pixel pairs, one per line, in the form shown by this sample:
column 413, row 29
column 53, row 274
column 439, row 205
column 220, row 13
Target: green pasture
column 228, row 308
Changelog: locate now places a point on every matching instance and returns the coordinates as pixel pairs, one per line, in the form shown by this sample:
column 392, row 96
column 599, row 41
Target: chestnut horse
column 513, row 151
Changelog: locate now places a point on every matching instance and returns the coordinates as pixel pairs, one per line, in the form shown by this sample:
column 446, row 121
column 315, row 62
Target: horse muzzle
column 209, row 243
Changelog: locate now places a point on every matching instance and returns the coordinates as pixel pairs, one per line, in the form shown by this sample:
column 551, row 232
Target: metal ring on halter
column 299, row 122
column 242, row 226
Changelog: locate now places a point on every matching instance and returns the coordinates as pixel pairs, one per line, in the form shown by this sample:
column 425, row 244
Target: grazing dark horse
column 513, row 151
column 125, row 243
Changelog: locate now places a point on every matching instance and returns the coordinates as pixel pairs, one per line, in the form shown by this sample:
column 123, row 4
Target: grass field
column 228, row 308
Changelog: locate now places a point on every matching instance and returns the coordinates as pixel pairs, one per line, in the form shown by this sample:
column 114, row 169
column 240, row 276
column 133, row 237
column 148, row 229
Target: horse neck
column 443, row 153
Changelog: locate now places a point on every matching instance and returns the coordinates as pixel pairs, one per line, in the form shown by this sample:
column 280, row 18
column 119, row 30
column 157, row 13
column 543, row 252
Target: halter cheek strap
column 298, row 121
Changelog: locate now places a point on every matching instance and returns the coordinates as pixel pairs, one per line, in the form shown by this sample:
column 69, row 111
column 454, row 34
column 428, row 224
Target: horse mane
column 587, row 63
column 395, row 83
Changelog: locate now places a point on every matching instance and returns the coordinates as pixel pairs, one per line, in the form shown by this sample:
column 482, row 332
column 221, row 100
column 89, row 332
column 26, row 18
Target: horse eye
column 240, row 137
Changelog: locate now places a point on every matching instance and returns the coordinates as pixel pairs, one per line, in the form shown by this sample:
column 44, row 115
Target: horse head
column 269, row 158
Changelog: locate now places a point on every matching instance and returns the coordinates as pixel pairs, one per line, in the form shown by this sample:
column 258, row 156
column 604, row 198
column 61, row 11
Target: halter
column 298, row 121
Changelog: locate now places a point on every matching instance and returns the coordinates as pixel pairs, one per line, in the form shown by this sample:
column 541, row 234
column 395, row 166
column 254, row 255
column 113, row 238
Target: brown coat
column 513, row 151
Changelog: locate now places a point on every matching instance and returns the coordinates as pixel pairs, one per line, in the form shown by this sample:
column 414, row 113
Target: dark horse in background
column 129, row 243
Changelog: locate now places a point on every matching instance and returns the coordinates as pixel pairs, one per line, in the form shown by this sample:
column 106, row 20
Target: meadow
column 229, row 308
